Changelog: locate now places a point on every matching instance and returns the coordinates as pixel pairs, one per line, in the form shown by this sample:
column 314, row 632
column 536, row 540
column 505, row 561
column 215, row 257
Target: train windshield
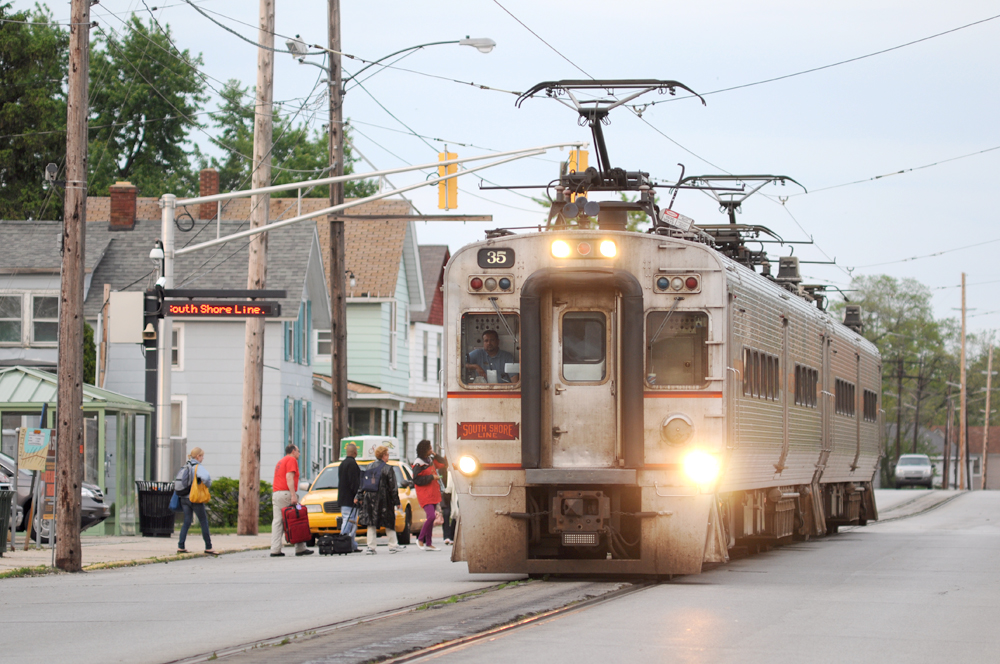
column 490, row 351
column 676, row 350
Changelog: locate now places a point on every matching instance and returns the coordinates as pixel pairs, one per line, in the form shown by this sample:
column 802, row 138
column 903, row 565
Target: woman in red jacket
column 425, row 476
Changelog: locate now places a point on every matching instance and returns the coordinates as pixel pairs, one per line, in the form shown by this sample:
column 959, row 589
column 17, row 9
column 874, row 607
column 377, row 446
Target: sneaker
column 305, row 552
column 370, row 552
column 430, row 547
column 396, row 549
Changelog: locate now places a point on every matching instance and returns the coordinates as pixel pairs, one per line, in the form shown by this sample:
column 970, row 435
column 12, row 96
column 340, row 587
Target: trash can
column 6, row 499
column 156, row 519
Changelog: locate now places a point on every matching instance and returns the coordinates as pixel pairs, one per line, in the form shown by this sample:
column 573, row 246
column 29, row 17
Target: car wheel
column 404, row 537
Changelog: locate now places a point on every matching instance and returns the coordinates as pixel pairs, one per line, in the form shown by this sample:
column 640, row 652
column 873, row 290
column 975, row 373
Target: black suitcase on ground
column 334, row 545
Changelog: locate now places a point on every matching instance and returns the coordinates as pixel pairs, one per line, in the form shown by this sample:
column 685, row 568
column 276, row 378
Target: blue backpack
column 371, row 476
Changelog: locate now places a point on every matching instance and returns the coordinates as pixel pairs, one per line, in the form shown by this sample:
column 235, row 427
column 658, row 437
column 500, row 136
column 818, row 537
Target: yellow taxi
column 321, row 500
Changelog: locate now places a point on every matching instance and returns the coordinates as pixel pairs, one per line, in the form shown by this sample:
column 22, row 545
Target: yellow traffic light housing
column 447, row 189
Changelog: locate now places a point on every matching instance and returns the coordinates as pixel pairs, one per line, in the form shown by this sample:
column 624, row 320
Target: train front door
column 583, row 374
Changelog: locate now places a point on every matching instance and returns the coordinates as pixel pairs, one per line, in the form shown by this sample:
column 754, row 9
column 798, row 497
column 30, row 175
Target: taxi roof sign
column 367, row 444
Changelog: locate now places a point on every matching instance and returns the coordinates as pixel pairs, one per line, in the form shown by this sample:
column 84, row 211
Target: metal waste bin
column 6, row 498
column 156, row 519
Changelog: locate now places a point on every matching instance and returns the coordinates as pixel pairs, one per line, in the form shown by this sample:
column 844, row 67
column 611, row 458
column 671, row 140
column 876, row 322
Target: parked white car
column 914, row 470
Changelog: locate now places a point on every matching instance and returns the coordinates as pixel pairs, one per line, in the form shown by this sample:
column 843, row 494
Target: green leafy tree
column 89, row 355
column 297, row 153
column 144, row 97
column 33, row 56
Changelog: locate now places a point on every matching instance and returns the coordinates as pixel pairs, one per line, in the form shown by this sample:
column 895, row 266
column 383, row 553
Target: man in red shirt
column 286, row 481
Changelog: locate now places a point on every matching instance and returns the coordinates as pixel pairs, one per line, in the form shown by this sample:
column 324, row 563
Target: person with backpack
column 349, row 481
column 192, row 474
column 379, row 497
column 427, row 481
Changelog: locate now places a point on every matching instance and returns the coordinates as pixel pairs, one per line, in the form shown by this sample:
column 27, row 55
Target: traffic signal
column 447, row 189
column 577, row 164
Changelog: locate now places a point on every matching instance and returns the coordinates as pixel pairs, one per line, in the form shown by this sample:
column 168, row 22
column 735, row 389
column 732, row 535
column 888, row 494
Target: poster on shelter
column 33, row 448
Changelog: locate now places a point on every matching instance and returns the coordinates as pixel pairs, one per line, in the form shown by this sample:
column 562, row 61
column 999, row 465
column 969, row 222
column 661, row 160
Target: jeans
column 190, row 509
column 349, row 524
column 280, row 500
column 428, row 529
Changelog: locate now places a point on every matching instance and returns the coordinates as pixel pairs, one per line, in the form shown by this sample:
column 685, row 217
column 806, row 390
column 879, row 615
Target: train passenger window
column 844, row 398
column 871, row 406
column 490, row 350
column 584, row 346
column 761, row 375
column 806, row 382
column 676, row 350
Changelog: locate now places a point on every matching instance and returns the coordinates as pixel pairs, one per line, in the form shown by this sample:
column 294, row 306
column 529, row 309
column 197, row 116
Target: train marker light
column 491, row 284
column 476, row 283
column 608, row 249
column 504, row 283
column 560, row 249
column 583, row 248
column 663, row 283
column 701, row 467
column 468, row 465
column 677, row 283
column 691, row 283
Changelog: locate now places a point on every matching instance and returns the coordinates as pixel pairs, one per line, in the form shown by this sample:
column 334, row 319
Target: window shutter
column 284, row 423
column 308, row 333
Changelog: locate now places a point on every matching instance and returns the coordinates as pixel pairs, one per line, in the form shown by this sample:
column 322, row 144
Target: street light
column 300, row 50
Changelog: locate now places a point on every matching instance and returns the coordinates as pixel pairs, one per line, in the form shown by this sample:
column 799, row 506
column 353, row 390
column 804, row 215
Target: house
column 422, row 419
column 384, row 291
column 206, row 353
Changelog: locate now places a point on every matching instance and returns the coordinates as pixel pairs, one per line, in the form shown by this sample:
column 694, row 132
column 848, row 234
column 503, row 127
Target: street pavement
column 162, row 612
column 919, row 589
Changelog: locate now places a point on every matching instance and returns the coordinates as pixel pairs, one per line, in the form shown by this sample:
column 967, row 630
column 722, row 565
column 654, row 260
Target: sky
column 926, row 103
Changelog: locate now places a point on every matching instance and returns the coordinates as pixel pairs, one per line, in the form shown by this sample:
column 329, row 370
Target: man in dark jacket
column 350, row 480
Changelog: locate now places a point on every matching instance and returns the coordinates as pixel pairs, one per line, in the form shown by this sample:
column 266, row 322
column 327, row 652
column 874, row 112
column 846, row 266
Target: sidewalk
column 126, row 550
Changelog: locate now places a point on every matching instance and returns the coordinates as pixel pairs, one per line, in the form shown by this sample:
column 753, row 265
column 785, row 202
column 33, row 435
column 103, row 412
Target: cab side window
column 676, row 350
column 490, row 351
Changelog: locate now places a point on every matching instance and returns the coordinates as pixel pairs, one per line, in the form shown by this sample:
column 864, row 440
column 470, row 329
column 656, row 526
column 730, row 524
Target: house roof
column 373, row 247
column 121, row 258
column 24, row 386
column 32, row 247
column 424, row 405
column 976, row 439
column 433, row 258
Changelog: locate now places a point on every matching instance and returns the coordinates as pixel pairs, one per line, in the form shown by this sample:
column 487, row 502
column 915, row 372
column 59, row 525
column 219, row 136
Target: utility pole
column 69, row 436
column 253, row 359
column 948, row 428
column 920, row 395
column 962, row 408
column 986, row 427
column 899, row 406
column 338, row 268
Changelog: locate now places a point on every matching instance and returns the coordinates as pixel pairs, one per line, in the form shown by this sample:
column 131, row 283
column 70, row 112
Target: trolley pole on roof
column 253, row 359
column 337, row 260
column 69, row 440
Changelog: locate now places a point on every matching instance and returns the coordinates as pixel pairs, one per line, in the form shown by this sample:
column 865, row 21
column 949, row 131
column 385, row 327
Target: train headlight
column 608, row 249
column 468, row 465
column 701, row 467
column 560, row 249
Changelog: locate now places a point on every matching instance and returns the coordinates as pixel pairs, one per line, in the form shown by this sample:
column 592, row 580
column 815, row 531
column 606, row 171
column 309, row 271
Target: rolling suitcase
column 339, row 544
column 295, row 521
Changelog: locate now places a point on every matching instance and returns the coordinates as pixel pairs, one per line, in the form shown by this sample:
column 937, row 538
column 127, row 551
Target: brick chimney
column 208, row 185
column 122, row 206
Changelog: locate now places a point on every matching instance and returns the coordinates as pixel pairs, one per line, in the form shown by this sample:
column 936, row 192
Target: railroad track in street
column 420, row 630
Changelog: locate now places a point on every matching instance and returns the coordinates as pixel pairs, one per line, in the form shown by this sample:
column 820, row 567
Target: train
column 647, row 403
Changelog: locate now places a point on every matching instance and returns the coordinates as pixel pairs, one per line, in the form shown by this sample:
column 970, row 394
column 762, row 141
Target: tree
column 637, row 219
column 144, row 100
column 89, row 355
column 33, row 57
column 297, row 153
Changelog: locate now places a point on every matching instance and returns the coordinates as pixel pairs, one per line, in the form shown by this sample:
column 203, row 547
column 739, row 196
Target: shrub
column 224, row 506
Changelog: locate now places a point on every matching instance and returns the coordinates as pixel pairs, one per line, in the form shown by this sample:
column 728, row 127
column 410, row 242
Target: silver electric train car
column 646, row 403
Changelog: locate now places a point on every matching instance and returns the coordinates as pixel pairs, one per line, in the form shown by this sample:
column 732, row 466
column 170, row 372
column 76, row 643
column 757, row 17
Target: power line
column 936, row 253
column 833, row 64
column 539, row 37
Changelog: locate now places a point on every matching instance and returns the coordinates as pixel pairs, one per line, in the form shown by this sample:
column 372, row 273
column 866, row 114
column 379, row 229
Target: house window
column 177, row 347
column 178, row 416
column 324, row 345
column 44, row 319
column 393, row 332
column 10, row 319
column 426, row 343
column 289, row 342
column 437, row 374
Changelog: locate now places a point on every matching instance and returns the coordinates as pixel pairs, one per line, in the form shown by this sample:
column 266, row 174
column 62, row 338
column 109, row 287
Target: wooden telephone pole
column 338, row 268
column 986, row 427
column 962, row 445
column 253, row 362
column 69, row 436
